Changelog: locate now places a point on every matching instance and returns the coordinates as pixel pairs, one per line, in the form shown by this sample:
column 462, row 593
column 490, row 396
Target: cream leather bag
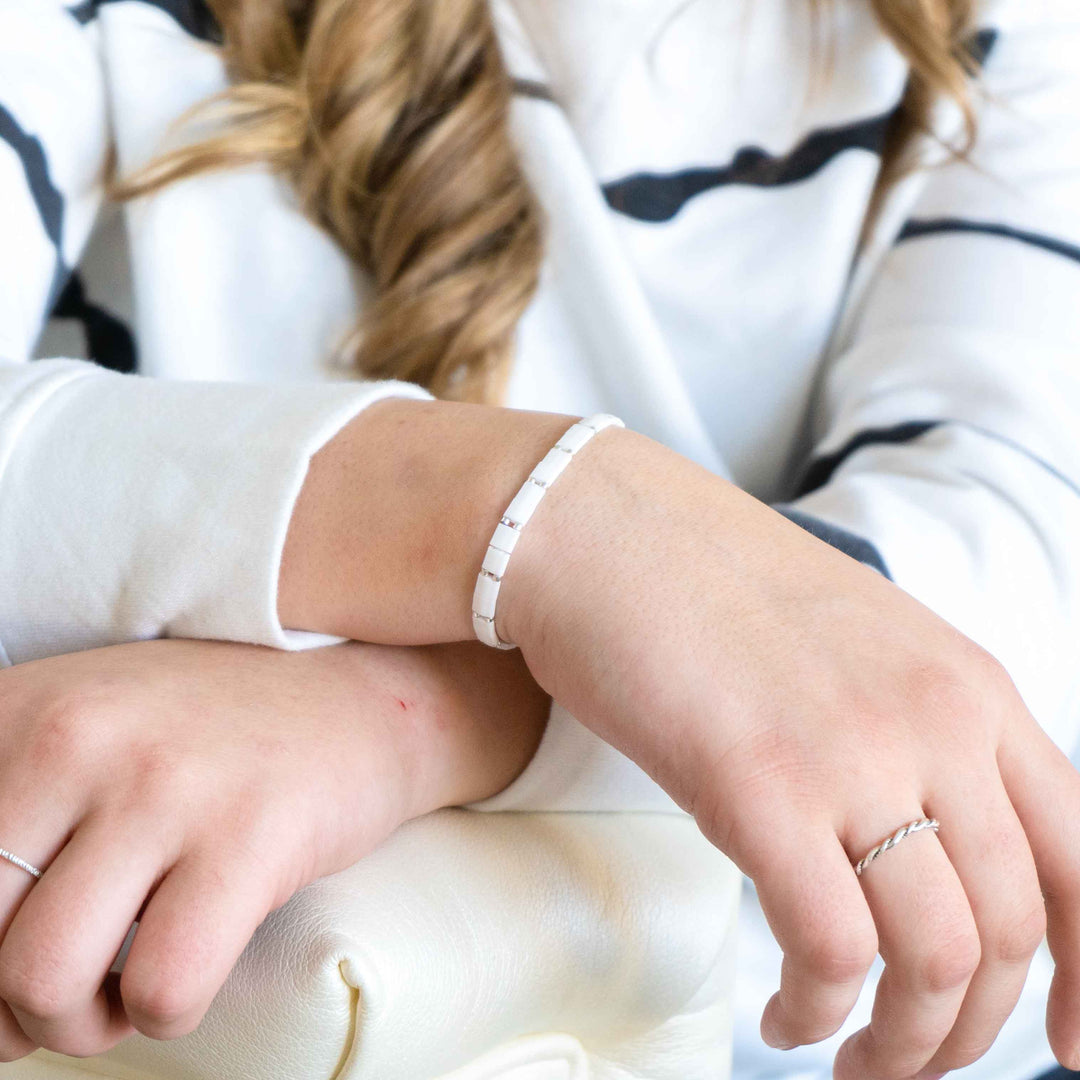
column 535, row 946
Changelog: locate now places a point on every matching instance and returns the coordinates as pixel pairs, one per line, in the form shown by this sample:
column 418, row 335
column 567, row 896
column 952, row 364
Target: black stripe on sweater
column 918, row 227
column 84, row 12
column 191, row 15
column 46, row 195
column 108, row 341
column 820, row 470
column 35, row 165
column 980, row 45
column 531, row 88
column 658, row 197
column 858, row 547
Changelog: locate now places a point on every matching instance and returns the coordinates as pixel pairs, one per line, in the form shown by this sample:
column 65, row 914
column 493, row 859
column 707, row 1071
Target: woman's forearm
column 395, row 515
column 194, row 786
column 473, row 716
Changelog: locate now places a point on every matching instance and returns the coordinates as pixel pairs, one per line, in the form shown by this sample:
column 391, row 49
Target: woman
column 732, row 193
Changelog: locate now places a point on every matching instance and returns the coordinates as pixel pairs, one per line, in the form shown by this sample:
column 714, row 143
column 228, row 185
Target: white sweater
column 916, row 403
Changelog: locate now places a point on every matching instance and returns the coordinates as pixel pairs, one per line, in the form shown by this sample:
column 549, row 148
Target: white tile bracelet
column 518, row 513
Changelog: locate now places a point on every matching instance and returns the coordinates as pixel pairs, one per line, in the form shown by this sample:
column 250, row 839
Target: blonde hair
column 390, row 120
column 936, row 37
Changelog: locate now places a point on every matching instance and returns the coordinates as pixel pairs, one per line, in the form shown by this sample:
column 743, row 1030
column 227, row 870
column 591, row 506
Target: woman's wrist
column 395, row 515
column 588, row 508
column 461, row 721
column 478, row 723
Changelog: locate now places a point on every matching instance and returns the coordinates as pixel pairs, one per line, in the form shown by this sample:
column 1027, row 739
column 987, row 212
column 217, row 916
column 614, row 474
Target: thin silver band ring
column 22, row 864
column 892, row 841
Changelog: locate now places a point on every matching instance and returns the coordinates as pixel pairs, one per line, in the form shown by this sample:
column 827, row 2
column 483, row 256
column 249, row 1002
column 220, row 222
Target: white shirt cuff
column 135, row 508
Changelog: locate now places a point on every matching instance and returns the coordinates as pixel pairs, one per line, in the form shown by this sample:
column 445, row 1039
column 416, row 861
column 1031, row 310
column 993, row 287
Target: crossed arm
column 799, row 705
column 760, row 676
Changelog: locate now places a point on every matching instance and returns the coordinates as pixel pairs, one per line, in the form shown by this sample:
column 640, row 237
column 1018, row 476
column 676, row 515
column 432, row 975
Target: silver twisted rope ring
column 892, row 841
column 22, row 864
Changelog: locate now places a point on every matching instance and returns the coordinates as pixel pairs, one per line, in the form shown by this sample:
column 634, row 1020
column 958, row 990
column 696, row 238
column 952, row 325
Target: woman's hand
column 196, row 786
column 799, row 705
column 803, row 709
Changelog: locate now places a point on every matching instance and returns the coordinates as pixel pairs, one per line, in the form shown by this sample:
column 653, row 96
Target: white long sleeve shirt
column 914, row 400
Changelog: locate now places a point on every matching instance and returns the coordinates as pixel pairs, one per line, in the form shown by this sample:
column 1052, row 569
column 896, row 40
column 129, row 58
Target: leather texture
column 536, row 946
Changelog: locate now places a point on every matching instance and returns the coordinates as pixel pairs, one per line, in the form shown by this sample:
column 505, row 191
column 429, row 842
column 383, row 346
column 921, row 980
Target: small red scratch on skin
column 401, row 702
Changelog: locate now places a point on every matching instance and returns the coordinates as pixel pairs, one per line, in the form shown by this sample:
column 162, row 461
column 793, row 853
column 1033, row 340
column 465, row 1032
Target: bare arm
column 763, row 678
column 396, row 513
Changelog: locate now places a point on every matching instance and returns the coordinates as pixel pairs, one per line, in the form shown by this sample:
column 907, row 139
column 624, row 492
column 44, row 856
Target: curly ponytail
column 389, row 117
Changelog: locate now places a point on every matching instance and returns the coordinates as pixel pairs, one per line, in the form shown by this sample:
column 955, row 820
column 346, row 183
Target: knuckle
column 837, row 961
column 159, row 1010
column 946, row 689
column 807, row 1030
column 982, row 681
column 154, row 775
column 66, row 732
column 962, row 1054
column 962, row 677
column 900, row 1068
column 874, row 1057
column 1017, row 940
column 31, row 994
column 159, row 1007
column 985, row 670
column 153, row 781
column 951, row 965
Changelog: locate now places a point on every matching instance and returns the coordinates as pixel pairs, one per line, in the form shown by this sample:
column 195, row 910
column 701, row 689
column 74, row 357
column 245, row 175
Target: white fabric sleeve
column 948, row 424
column 135, row 508
column 130, row 508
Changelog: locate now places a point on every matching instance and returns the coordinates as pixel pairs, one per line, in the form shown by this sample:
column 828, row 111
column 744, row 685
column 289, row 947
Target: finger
column 1044, row 788
column 65, row 936
column 997, row 870
column 820, row 919
column 192, row 933
column 38, row 846
column 930, row 945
